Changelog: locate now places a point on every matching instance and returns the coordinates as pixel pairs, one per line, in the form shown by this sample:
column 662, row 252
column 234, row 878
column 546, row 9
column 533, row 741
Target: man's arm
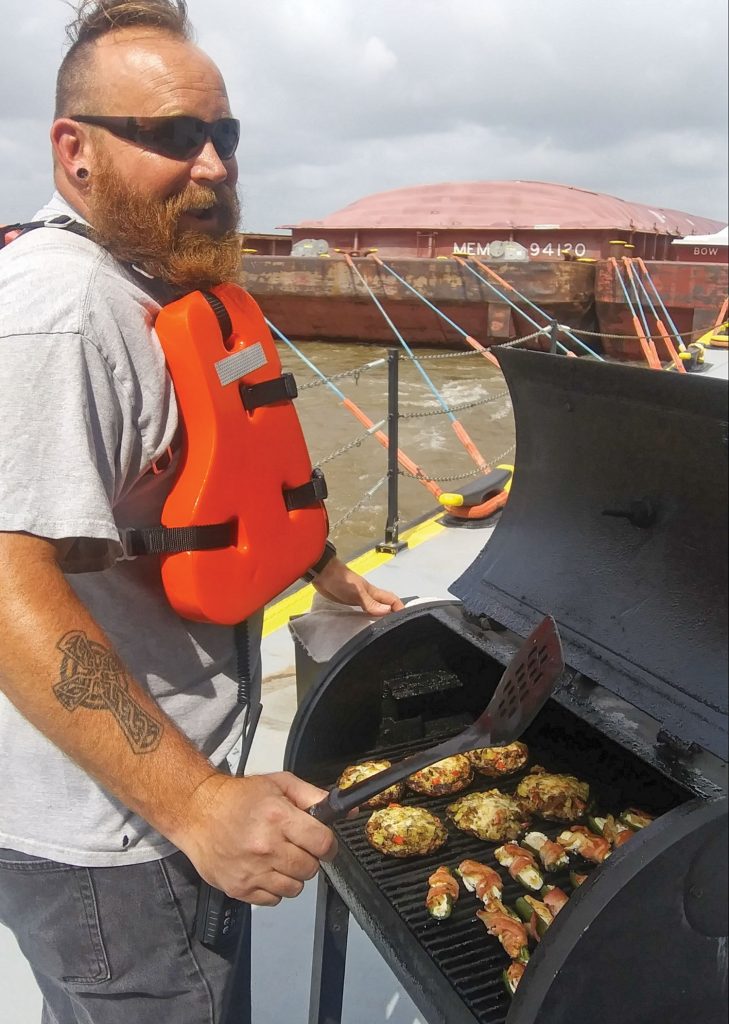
column 249, row 837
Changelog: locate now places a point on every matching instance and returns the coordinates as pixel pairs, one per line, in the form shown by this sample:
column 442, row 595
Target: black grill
column 640, row 714
column 466, row 957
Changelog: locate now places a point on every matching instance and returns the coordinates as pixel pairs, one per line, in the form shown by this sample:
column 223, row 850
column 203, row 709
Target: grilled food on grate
column 580, row 840
column 635, row 819
column 521, row 865
column 555, row 797
column 492, row 815
column 356, row 772
column 554, row 898
column 497, row 762
column 513, row 975
column 481, row 879
column 551, row 854
column 443, row 892
column 610, row 828
column 450, row 775
column 505, row 926
column 405, row 831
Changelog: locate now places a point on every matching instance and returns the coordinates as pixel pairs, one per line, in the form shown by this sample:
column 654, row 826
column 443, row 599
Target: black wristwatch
column 328, row 554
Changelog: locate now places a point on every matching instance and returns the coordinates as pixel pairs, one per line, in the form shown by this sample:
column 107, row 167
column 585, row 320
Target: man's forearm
column 60, row 671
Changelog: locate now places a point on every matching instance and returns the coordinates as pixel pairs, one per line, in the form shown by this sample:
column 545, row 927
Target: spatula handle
column 341, row 801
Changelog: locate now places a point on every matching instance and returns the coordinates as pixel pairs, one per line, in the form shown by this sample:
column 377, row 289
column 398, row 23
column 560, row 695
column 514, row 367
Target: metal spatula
column 523, row 690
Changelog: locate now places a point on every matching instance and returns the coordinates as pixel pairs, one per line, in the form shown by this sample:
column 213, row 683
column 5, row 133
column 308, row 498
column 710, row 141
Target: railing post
column 553, row 336
column 391, row 544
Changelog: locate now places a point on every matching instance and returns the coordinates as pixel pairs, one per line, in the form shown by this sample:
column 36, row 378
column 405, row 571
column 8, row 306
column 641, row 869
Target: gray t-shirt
column 86, row 407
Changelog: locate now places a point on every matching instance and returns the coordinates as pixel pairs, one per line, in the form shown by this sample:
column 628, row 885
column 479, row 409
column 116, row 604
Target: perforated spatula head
column 525, row 685
column 523, row 689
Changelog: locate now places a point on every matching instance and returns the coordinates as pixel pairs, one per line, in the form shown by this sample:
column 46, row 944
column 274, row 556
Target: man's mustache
column 193, row 200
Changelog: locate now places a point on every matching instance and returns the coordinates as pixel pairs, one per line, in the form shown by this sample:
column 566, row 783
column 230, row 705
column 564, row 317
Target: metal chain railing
column 359, row 504
column 474, row 352
column 453, row 408
column 459, row 476
column 356, row 443
column 356, row 373
column 629, row 337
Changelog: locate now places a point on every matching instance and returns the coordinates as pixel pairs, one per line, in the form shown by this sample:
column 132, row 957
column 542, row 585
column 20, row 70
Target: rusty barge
column 562, row 248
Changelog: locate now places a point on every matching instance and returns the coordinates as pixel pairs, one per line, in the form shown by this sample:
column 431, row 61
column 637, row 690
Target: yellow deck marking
column 279, row 613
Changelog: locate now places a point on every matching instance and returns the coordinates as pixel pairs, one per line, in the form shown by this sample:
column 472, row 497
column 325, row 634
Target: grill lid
column 616, row 526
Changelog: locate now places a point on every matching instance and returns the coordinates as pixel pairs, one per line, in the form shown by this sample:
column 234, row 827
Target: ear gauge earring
column 82, row 173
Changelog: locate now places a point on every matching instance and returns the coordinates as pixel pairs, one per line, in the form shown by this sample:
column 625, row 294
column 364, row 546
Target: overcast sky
column 342, row 98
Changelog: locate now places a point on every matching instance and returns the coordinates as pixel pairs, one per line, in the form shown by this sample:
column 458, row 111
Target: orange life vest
column 245, row 517
column 244, row 460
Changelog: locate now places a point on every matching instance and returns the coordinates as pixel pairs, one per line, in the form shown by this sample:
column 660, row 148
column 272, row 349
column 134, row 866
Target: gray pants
column 115, row 945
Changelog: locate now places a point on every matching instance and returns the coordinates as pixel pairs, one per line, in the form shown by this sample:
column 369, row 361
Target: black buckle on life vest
column 171, row 540
column 308, row 494
column 281, row 389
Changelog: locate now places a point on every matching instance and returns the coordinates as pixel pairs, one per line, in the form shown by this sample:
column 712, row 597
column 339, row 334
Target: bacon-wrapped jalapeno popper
column 521, row 865
column 481, row 879
column 579, row 839
column 507, row 928
column 635, row 819
column 442, row 893
column 513, row 975
column 535, row 914
column 551, row 854
column 554, row 898
column 611, row 829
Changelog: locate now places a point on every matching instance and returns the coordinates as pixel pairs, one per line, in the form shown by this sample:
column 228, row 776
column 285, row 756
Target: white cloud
column 339, row 98
column 377, row 58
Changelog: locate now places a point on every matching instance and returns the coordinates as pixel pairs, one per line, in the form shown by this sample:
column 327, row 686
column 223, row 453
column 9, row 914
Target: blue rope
column 405, row 345
column 639, row 305
column 308, row 362
column 427, row 302
column 540, row 327
column 676, row 334
column 565, row 330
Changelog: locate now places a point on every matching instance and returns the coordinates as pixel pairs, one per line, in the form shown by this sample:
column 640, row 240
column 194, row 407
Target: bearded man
column 106, row 833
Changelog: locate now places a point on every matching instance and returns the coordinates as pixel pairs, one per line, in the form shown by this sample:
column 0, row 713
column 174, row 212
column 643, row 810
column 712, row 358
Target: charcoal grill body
column 640, row 600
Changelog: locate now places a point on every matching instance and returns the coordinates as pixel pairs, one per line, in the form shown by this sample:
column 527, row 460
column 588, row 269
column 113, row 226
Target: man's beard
column 144, row 231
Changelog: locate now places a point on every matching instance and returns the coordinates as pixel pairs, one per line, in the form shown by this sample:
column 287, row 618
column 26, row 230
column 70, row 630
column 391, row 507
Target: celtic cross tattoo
column 93, row 677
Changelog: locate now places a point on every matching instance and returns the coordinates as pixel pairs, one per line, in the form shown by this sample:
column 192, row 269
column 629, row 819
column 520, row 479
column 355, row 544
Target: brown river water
column 429, row 441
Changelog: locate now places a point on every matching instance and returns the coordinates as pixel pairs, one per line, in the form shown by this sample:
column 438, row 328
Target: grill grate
column 471, row 960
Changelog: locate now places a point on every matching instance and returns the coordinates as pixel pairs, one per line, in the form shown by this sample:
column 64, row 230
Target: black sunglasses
column 179, row 136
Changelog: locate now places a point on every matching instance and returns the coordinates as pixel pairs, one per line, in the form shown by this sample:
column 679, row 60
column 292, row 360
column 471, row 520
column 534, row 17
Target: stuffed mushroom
column 492, row 815
column 450, row 775
column 497, row 762
column 405, row 831
column 358, row 772
column 554, row 797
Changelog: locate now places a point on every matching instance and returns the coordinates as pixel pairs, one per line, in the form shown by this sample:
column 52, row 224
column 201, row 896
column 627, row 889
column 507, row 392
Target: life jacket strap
column 11, row 231
column 307, row 495
column 171, row 540
column 281, row 389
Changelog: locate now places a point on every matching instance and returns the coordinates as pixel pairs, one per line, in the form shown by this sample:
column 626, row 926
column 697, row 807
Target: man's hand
column 337, row 582
column 253, row 839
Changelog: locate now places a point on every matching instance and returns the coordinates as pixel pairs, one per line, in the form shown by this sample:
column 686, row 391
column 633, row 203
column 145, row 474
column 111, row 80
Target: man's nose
column 208, row 166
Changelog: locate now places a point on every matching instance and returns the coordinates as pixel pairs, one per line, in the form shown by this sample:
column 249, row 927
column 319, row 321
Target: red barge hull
column 311, row 298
